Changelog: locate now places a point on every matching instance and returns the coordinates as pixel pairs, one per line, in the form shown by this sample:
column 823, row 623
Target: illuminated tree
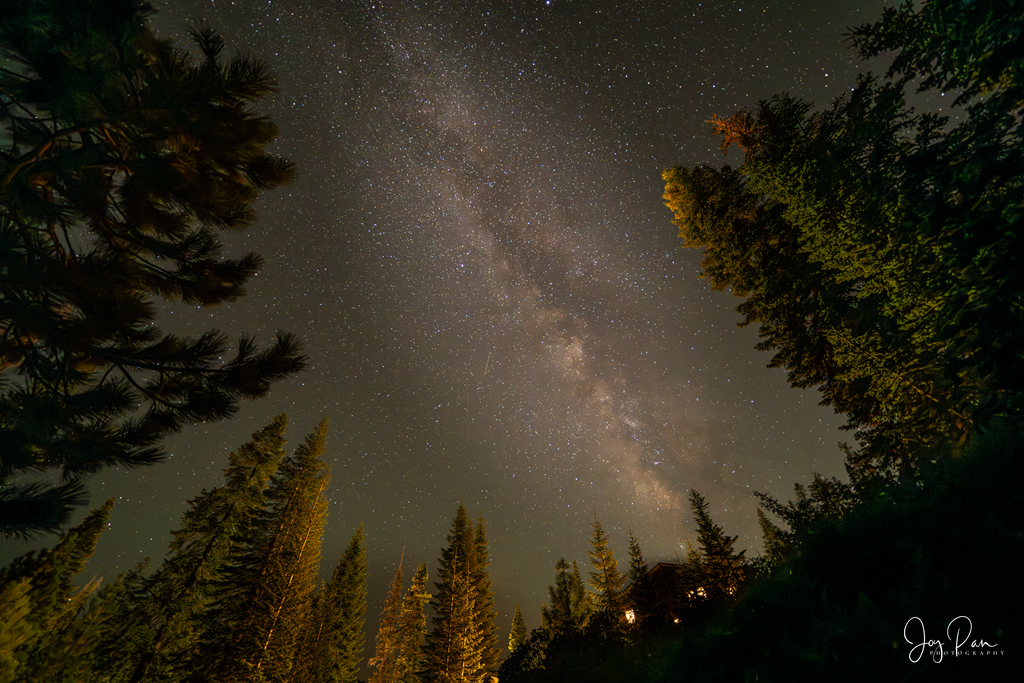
column 121, row 158
column 483, row 604
column 606, row 580
column 517, row 634
column 388, row 648
column 345, row 600
column 876, row 244
column 451, row 652
column 39, row 607
column 412, row 628
column 160, row 629
column 263, row 603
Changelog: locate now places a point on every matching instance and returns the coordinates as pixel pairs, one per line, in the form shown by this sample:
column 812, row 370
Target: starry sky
column 493, row 298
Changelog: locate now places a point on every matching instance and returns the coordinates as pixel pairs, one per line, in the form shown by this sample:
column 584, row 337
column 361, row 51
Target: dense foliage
column 121, row 157
column 879, row 247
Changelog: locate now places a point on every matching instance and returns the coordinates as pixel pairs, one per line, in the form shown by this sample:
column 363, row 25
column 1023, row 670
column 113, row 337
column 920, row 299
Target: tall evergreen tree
column 483, row 604
column 311, row 655
column 345, row 599
column 452, row 648
column 641, row 591
column 40, row 604
column 412, row 628
column 605, row 580
column 388, row 647
column 876, row 243
column 777, row 543
column 262, row 604
column 722, row 566
column 164, row 617
column 517, row 633
column 569, row 601
column 121, row 157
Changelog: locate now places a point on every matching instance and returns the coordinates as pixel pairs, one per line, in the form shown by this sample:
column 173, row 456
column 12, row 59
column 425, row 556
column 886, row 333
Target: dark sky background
column 494, row 301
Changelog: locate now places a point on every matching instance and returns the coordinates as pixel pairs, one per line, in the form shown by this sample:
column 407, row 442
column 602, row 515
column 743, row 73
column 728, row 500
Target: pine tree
column 722, row 566
column 570, row 603
column 464, row 664
column 452, row 648
column 263, row 602
column 121, row 157
column 641, row 592
column 483, row 604
column 41, row 604
column 345, row 598
column 692, row 579
column 605, row 580
column 388, row 649
column 178, row 593
column 777, row 542
column 517, row 634
column 412, row 628
column 311, row 653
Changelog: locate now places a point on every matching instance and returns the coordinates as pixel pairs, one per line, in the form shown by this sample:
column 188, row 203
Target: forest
column 873, row 241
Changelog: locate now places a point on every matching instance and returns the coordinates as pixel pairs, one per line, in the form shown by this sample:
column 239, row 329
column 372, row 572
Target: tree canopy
column 877, row 245
column 121, row 158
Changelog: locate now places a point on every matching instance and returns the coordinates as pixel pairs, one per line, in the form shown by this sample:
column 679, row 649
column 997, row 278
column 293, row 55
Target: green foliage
column 345, row 601
column 837, row 609
column 121, row 158
column 606, row 580
column 878, row 246
column 388, row 648
column 259, row 616
column 723, row 567
column 41, row 608
column 517, row 632
column 160, row 631
column 412, row 628
column 642, row 600
column 570, row 604
column 483, row 604
column 454, row 648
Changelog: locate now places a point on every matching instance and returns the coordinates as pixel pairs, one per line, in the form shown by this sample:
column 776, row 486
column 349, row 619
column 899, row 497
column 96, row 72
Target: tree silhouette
column 121, row 157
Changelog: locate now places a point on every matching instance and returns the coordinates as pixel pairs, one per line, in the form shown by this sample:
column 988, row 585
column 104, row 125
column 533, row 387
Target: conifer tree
column 580, row 601
column 412, row 629
column 40, row 605
column 722, row 566
column 463, row 661
column 483, row 604
column 776, row 541
column 692, row 579
column 121, row 158
column 517, row 634
column 345, row 602
column 452, row 648
column 164, row 617
column 569, row 602
column 388, row 648
column 262, row 605
column 605, row 580
column 311, row 652
column 641, row 592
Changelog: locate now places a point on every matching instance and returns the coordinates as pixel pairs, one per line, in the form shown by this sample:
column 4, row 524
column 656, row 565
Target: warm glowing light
column 630, row 616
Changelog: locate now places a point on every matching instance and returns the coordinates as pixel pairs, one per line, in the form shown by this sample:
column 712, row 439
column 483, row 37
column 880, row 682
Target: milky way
column 493, row 298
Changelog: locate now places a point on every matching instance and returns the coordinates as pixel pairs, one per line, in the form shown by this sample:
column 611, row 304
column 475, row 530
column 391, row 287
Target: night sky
column 493, row 298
